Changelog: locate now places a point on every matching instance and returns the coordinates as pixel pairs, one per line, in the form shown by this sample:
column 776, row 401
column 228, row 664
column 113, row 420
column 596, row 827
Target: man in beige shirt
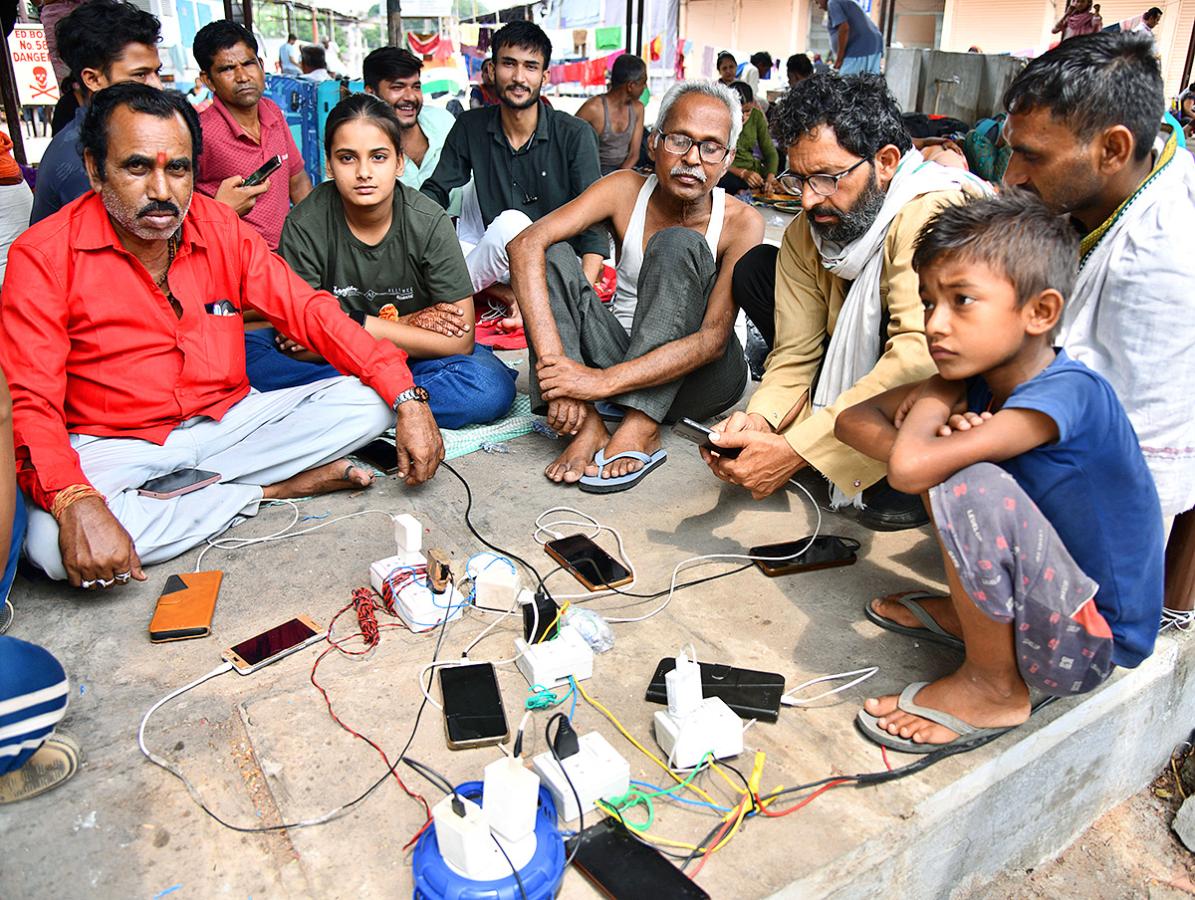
column 838, row 303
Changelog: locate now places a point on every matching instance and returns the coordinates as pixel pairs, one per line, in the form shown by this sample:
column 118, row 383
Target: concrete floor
column 263, row 749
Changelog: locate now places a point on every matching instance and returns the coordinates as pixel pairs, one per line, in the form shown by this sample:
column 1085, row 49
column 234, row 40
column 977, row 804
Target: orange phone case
column 186, row 606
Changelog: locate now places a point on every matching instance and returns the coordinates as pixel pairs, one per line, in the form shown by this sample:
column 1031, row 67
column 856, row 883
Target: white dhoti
column 262, row 440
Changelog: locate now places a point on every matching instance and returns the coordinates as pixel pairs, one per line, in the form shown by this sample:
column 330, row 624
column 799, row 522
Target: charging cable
column 862, row 676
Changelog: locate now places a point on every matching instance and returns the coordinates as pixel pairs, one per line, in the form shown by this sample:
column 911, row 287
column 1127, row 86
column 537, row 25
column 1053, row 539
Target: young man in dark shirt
column 525, row 159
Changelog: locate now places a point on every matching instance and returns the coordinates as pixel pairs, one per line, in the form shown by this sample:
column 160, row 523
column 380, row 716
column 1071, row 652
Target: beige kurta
column 808, row 301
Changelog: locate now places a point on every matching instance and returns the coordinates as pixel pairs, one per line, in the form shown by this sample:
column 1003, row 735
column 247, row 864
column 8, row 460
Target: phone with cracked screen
column 623, row 868
column 380, row 454
column 270, row 646
column 588, row 563
column 825, row 552
column 268, row 168
column 473, row 711
column 700, row 435
column 182, row 481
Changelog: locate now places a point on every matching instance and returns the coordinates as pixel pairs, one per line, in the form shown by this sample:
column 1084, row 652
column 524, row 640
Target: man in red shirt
column 242, row 129
column 121, row 329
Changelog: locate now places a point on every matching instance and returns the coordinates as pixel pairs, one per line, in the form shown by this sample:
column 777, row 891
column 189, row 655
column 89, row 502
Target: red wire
column 717, row 839
column 821, row 790
column 363, row 602
column 884, row 753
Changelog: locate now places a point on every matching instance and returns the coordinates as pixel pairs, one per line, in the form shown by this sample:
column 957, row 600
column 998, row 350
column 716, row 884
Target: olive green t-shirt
column 417, row 264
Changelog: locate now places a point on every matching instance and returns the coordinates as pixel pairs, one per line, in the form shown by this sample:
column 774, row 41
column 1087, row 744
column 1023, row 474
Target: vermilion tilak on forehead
column 161, row 158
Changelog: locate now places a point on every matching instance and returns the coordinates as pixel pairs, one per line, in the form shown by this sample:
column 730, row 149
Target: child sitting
column 1049, row 523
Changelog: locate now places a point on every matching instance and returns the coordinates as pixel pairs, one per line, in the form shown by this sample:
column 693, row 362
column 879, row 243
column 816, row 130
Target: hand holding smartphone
column 700, row 435
column 268, row 168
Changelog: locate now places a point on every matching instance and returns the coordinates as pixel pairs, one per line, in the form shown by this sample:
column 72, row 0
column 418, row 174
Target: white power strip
column 711, row 728
column 597, row 771
column 551, row 663
column 415, row 604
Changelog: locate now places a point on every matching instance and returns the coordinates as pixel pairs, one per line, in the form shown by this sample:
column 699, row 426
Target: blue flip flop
column 596, row 484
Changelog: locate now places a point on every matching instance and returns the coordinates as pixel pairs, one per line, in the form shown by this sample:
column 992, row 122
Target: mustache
column 692, row 171
column 158, row 206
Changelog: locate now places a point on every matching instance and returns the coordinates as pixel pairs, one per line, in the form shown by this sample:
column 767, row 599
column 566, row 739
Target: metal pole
column 247, row 14
column 228, row 11
column 890, row 21
column 12, row 106
column 630, row 15
column 394, row 22
column 639, row 31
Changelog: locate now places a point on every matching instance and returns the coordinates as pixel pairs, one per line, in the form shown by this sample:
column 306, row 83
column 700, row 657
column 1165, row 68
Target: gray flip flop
column 932, row 631
column 869, row 725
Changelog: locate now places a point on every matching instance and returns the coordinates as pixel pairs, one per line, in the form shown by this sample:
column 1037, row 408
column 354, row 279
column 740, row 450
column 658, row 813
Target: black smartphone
column 826, row 552
column 587, row 562
column 473, row 711
column 267, row 169
column 380, row 454
column 623, row 868
column 183, row 481
column 751, row 694
column 700, row 435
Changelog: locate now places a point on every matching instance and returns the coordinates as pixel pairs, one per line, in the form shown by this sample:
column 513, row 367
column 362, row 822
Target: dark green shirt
column 555, row 166
column 417, row 264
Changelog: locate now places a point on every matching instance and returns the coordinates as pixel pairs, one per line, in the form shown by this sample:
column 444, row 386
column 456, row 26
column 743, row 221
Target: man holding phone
column 135, row 367
column 243, row 130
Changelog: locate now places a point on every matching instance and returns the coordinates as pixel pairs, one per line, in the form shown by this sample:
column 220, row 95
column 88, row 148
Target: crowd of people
column 1003, row 362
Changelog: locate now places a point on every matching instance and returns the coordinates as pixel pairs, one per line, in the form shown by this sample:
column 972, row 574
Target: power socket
column 496, row 585
column 711, row 728
column 416, row 605
column 597, row 771
column 551, row 663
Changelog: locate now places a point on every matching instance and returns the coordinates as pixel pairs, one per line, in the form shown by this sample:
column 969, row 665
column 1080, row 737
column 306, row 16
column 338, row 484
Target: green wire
column 635, row 797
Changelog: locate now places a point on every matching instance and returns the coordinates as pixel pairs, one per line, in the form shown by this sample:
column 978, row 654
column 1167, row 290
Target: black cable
column 580, row 812
column 469, row 524
column 430, row 774
column 658, row 594
column 746, row 783
column 510, row 862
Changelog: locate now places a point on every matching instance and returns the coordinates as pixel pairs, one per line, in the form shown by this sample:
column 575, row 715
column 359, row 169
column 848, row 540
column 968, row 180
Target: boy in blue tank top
column 1048, row 519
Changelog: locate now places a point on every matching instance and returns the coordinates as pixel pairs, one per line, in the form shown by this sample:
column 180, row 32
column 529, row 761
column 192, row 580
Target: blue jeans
column 855, row 65
column 14, row 549
column 464, row 390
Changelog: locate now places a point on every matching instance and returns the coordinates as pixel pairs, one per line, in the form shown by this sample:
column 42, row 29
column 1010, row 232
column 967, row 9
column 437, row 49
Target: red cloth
column 493, row 335
column 595, row 73
column 227, row 150
column 423, row 44
column 92, row 346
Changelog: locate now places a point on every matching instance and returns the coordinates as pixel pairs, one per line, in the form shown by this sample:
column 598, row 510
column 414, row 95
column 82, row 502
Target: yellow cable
column 733, row 784
column 626, row 734
column 546, row 631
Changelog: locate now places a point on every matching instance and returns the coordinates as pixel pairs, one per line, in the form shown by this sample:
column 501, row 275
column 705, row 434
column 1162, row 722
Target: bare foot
column 570, row 465
column 340, row 475
column 637, row 432
column 505, row 294
column 967, row 694
column 940, row 609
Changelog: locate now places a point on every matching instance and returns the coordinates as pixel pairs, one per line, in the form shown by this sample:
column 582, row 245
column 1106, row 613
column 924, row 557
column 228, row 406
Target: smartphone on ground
column 588, row 563
column 270, row 646
column 473, row 711
column 826, row 552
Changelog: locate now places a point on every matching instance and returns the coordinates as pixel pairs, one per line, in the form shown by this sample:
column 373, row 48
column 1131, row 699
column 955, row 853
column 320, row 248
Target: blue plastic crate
column 306, row 105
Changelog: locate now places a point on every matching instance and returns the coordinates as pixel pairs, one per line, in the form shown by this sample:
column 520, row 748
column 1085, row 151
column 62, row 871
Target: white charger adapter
column 511, row 798
column 692, row 725
column 469, row 847
column 597, row 772
column 550, row 663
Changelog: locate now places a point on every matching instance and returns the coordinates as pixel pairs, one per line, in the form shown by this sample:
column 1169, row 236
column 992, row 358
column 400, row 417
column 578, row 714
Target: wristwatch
column 411, row 393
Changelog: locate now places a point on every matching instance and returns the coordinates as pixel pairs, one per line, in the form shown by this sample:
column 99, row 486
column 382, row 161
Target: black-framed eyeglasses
column 680, row 144
column 823, row 185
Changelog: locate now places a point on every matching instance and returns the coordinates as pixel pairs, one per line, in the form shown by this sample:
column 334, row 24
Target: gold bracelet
column 71, row 495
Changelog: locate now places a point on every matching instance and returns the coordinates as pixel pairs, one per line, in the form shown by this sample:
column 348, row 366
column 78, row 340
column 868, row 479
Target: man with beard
column 664, row 348
column 838, row 302
column 242, row 130
column 526, row 160
column 1083, row 128
column 393, row 73
column 121, row 330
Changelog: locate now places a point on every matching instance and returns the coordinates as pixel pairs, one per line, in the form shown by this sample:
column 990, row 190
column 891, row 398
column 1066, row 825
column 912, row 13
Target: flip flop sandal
column 596, row 484
column 870, row 727
column 932, row 631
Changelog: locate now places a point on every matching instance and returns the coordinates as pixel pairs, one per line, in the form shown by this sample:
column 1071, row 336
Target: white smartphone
column 270, row 646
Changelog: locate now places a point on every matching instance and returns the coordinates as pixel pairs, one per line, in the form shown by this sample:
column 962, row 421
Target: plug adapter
column 408, row 534
column 511, row 798
column 711, row 728
column 596, row 770
column 469, row 847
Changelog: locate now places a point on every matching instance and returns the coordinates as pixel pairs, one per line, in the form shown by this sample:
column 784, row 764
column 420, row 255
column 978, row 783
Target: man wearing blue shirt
column 857, row 42
column 103, row 42
column 288, row 56
column 393, row 74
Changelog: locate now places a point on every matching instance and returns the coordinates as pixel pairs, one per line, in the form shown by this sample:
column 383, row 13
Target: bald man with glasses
column 664, row 348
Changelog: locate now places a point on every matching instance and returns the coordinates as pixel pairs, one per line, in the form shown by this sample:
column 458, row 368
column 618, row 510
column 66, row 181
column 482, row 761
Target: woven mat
column 462, row 441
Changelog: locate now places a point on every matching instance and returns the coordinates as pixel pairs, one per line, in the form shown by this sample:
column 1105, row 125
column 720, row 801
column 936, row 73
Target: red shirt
column 92, row 346
column 227, row 150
